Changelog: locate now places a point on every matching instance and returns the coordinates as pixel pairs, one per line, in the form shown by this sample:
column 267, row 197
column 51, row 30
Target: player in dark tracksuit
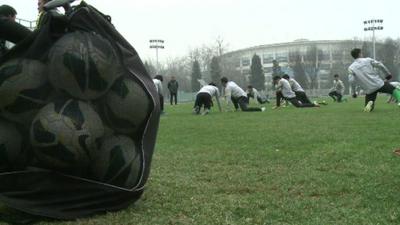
column 173, row 90
column 9, row 29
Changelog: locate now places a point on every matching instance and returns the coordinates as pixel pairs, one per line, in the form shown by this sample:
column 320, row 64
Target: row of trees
column 215, row 72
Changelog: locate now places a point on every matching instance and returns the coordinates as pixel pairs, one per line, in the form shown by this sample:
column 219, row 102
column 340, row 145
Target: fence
column 27, row 23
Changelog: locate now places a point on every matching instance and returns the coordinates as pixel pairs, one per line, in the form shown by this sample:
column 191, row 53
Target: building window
column 245, row 62
column 237, row 63
column 282, row 57
column 267, row 69
column 326, row 56
column 245, row 72
column 268, row 58
column 337, row 56
column 325, row 66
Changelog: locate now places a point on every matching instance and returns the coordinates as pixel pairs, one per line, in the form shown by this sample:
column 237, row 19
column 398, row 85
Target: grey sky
column 186, row 24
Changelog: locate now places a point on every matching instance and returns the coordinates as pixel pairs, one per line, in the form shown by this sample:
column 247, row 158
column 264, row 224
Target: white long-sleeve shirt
column 338, row 86
column 254, row 93
column 362, row 72
column 233, row 90
column 295, row 85
column 159, row 86
column 213, row 91
column 284, row 87
column 210, row 89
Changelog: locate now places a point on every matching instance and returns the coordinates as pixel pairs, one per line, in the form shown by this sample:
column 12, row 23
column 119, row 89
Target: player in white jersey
column 285, row 90
column 362, row 72
column 253, row 93
column 336, row 92
column 158, row 79
column 236, row 95
column 204, row 98
column 297, row 89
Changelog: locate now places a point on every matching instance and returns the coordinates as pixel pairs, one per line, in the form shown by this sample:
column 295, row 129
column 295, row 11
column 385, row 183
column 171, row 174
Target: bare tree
column 180, row 67
column 295, row 59
column 215, row 70
column 196, row 75
column 397, row 55
column 257, row 78
column 221, row 46
column 151, row 69
column 387, row 54
column 205, row 54
column 312, row 62
column 229, row 70
column 366, row 49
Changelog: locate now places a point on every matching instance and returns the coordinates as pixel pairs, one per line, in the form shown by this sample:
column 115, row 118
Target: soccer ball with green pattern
column 64, row 133
column 117, row 162
column 126, row 106
column 83, row 65
column 24, row 90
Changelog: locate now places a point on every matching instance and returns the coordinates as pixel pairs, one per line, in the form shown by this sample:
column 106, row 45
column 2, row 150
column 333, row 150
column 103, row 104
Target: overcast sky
column 185, row 24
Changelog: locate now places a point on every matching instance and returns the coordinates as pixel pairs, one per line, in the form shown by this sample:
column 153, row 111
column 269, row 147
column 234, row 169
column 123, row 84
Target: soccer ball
column 126, row 106
column 24, row 89
column 64, row 133
column 83, row 65
column 117, row 162
column 11, row 151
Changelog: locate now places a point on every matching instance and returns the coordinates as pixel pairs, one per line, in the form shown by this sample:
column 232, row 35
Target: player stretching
column 236, row 95
column 204, row 97
column 362, row 72
column 286, row 91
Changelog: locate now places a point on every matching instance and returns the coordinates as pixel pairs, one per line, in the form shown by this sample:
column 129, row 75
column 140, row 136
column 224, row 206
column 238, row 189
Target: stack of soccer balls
column 78, row 114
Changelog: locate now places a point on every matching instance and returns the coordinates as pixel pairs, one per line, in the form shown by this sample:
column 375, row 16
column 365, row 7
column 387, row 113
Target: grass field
column 332, row 165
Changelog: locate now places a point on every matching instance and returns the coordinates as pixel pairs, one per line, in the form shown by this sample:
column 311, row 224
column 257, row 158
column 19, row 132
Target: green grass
column 332, row 165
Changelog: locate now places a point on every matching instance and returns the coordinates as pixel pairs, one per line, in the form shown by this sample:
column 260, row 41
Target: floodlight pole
column 157, row 44
column 373, row 25
column 373, row 43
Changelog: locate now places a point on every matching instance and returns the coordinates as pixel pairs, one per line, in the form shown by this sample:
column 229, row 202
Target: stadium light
column 157, row 44
column 373, row 25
